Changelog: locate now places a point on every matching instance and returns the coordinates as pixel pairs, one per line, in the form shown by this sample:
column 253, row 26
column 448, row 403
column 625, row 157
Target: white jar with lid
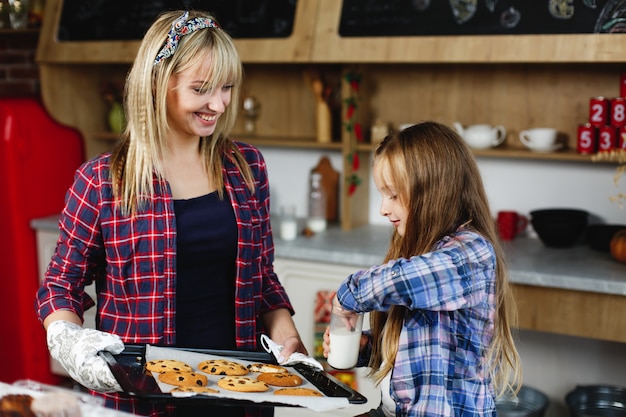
column 316, row 220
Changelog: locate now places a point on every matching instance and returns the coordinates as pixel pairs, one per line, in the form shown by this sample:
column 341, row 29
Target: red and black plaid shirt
column 133, row 260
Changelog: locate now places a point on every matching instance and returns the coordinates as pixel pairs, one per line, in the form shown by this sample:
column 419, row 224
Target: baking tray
column 128, row 367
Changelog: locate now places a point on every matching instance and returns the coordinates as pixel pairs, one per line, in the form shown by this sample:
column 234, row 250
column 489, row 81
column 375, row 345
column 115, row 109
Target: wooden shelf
column 304, row 143
column 311, row 143
column 308, row 143
column 27, row 31
column 504, row 152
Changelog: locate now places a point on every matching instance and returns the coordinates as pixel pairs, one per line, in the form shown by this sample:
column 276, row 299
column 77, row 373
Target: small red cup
column 510, row 224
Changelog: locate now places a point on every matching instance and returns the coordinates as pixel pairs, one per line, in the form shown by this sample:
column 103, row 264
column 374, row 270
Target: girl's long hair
column 139, row 156
column 437, row 179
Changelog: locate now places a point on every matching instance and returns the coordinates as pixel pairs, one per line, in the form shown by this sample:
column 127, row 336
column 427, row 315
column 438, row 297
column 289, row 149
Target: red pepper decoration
column 355, row 161
column 355, row 81
column 358, row 132
column 353, row 183
column 351, row 126
column 354, row 84
column 350, row 111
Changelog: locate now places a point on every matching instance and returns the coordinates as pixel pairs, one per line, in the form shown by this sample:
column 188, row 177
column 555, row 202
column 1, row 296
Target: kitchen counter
column 530, row 262
column 574, row 291
column 571, row 291
column 50, row 223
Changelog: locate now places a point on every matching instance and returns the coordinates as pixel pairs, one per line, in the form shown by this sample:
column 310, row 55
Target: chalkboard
column 98, row 20
column 480, row 17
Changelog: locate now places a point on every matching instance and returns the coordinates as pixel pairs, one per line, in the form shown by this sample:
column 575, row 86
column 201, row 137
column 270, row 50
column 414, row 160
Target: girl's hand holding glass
column 344, row 337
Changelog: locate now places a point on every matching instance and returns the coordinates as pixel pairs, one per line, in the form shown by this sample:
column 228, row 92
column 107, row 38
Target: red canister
column 598, row 111
column 618, row 112
column 586, row 143
column 606, row 138
column 621, row 138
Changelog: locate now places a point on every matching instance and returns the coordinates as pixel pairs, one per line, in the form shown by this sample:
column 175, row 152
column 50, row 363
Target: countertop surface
column 530, row 262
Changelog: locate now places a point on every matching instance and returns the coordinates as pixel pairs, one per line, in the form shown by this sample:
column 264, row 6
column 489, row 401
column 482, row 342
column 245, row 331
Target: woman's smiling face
column 193, row 107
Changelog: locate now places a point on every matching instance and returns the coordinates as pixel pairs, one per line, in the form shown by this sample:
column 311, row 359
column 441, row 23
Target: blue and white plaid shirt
column 450, row 297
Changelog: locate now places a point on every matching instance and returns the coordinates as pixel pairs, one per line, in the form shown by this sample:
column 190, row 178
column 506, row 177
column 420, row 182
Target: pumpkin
column 618, row 245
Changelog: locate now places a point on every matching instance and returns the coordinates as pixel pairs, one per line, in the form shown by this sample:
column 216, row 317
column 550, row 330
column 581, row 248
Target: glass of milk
column 345, row 337
column 288, row 223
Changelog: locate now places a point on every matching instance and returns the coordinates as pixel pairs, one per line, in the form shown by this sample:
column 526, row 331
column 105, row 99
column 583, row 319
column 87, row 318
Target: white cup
column 539, row 137
column 482, row 136
column 345, row 337
column 288, row 223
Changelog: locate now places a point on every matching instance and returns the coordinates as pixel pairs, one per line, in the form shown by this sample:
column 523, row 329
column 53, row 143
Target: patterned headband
column 180, row 28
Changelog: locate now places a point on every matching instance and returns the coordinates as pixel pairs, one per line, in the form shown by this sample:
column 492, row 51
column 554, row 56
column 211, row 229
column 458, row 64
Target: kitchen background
column 521, row 185
column 552, row 363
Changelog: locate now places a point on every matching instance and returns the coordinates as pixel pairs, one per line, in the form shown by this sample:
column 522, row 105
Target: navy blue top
column 206, row 249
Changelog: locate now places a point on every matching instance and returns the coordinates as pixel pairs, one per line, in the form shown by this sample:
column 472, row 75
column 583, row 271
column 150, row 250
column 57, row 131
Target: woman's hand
column 76, row 349
column 282, row 331
column 291, row 345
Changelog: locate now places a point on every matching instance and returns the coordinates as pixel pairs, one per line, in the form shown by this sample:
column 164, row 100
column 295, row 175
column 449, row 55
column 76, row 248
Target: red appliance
column 38, row 157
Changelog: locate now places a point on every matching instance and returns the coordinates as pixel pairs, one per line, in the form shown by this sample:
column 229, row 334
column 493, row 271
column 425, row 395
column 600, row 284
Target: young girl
column 172, row 225
column 441, row 307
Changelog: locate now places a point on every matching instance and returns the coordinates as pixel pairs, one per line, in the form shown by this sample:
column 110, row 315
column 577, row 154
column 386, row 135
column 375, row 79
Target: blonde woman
column 173, row 225
column 441, row 307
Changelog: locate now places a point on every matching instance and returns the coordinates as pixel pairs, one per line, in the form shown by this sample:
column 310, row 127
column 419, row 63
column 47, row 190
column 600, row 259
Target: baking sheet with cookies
column 136, row 381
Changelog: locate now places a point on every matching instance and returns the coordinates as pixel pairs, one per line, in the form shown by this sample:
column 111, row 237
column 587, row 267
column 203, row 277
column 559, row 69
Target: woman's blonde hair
column 437, row 179
column 138, row 157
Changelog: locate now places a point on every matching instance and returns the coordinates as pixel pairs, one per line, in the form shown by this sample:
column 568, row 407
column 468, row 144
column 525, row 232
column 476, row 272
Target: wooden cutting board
column 330, row 182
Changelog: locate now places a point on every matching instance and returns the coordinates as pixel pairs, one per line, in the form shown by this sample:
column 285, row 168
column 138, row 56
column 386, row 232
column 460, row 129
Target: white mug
column 539, row 137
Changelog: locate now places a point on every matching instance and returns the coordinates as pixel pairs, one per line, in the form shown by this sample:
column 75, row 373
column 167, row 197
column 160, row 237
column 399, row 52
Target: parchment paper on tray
column 193, row 359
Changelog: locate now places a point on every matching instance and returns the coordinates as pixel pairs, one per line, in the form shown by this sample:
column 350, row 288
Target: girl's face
column 193, row 108
column 391, row 206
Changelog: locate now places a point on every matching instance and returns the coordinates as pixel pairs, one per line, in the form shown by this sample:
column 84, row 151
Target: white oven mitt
column 77, row 349
column 271, row 347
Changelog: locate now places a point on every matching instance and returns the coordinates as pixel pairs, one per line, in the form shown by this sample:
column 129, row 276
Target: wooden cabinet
column 519, row 81
column 500, row 49
column 570, row 312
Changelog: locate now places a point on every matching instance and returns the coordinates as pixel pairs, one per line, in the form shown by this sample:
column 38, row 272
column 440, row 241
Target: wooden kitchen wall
column 515, row 96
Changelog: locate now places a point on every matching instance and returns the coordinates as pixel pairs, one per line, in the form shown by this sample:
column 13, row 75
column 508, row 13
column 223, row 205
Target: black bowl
column 599, row 236
column 559, row 227
column 597, row 401
column 529, row 403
